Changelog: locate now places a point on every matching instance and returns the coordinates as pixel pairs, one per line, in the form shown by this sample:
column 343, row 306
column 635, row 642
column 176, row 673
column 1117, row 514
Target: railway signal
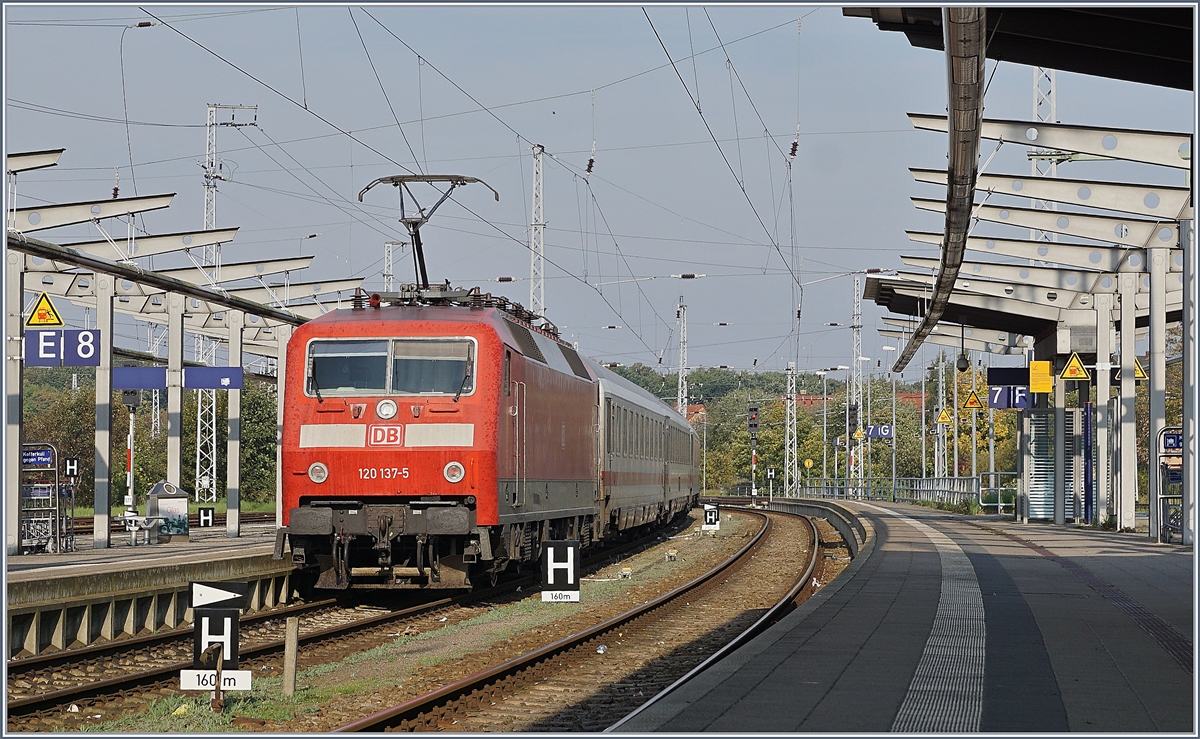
column 216, row 612
column 752, row 420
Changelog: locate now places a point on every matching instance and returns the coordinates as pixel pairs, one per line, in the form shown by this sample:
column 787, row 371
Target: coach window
column 507, row 371
column 347, row 367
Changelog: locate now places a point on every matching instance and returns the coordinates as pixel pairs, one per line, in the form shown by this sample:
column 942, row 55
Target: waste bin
column 168, row 501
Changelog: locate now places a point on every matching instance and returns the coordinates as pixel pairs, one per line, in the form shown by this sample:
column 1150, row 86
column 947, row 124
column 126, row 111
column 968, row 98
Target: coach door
column 662, row 449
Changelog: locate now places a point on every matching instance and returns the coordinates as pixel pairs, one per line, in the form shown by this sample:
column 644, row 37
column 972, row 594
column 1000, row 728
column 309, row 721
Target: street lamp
column 895, row 438
column 825, row 420
column 867, row 416
column 287, row 276
column 302, row 239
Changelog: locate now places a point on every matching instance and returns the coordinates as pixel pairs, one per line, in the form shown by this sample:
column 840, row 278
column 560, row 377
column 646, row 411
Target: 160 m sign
column 207, row 679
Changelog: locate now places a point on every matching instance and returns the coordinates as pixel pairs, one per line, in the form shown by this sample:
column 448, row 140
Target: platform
column 58, row 601
column 949, row 623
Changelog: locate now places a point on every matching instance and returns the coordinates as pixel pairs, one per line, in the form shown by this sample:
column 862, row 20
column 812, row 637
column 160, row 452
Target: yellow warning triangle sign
column 944, row 417
column 973, row 402
column 859, row 434
column 1138, row 372
column 1075, row 369
column 44, row 314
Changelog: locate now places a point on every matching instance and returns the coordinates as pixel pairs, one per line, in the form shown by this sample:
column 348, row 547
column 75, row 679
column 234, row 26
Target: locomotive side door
column 518, row 411
column 512, row 450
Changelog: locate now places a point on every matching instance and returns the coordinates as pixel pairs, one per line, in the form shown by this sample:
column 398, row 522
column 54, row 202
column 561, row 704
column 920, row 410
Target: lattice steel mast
column 681, row 391
column 856, row 387
column 210, row 262
column 790, row 467
column 537, row 248
column 1042, row 162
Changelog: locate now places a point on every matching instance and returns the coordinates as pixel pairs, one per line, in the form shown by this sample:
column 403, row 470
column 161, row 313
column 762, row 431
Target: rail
column 404, row 716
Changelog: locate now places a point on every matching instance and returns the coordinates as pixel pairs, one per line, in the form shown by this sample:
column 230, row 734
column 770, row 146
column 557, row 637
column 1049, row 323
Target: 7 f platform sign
column 560, row 572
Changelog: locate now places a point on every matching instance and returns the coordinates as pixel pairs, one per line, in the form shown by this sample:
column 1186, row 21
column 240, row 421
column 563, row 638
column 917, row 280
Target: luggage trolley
column 1170, row 492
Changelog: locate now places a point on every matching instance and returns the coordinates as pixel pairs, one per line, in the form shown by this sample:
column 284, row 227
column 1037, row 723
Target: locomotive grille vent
column 529, row 347
column 575, row 362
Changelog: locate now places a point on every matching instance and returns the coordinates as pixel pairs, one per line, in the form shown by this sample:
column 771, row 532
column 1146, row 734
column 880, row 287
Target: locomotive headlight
column 318, row 472
column 454, row 472
column 385, row 409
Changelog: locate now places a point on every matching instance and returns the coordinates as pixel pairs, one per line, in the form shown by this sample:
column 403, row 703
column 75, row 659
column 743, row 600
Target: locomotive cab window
column 348, row 367
column 383, row 366
column 425, row 367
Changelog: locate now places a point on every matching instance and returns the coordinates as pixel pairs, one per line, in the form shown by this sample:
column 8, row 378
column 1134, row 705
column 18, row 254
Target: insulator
column 795, row 145
column 115, row 191
column 591, row 161
column 144, row 24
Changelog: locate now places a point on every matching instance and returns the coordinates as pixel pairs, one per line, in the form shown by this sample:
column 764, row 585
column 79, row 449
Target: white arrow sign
column 205, row 595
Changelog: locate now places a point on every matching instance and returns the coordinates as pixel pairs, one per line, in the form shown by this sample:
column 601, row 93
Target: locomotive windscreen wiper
column 312, row 379
column 466, row 375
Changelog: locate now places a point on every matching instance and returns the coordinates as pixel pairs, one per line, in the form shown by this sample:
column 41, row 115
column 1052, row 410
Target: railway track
column 84, row 526
column 589, row 679
column 111, row 677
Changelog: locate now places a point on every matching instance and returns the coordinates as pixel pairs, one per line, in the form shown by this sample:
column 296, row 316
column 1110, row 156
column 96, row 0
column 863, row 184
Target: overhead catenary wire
column 324, row 198
column 353, row 137
column 300, row 49
column 280, row 93
column 383, row 90
column 718, row 145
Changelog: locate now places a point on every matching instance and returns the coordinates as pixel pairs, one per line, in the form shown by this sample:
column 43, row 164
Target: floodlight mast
column 414, row 222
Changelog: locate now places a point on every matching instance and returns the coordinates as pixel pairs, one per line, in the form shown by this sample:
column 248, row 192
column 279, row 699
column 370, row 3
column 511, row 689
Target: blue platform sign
column 81, row 348
column 880, row 431
column 37, row 458
column 1172, row 442
column 213, row 378
column 139, row 378
column 999, row 396
column 59, row 347
column 1019, row 397
column 1008, row 396
column 43, row 348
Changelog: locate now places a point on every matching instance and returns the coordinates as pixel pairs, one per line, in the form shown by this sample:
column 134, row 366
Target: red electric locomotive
column 433, row 437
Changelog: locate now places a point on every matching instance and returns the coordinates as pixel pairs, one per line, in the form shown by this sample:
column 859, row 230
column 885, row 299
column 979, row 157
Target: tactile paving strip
column 946, row 692
column 1174, row 643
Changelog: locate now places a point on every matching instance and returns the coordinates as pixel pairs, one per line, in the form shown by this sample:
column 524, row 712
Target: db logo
column 386, row 436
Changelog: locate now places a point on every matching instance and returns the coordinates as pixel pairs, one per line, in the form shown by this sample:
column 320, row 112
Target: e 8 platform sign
column 560, row 572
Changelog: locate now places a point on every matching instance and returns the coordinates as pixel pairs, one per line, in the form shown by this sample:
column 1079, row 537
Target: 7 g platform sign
column 560, row 572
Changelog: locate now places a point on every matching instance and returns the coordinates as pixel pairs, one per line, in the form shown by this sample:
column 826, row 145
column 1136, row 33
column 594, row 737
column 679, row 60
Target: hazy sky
column 467, row 90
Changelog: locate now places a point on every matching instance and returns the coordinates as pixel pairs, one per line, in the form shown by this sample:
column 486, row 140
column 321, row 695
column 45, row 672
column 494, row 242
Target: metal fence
column 944, row 490
column 998, row 493
column 998, row 490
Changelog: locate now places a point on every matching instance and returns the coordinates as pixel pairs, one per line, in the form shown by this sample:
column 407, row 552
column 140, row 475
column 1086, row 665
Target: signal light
column 752, row 419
